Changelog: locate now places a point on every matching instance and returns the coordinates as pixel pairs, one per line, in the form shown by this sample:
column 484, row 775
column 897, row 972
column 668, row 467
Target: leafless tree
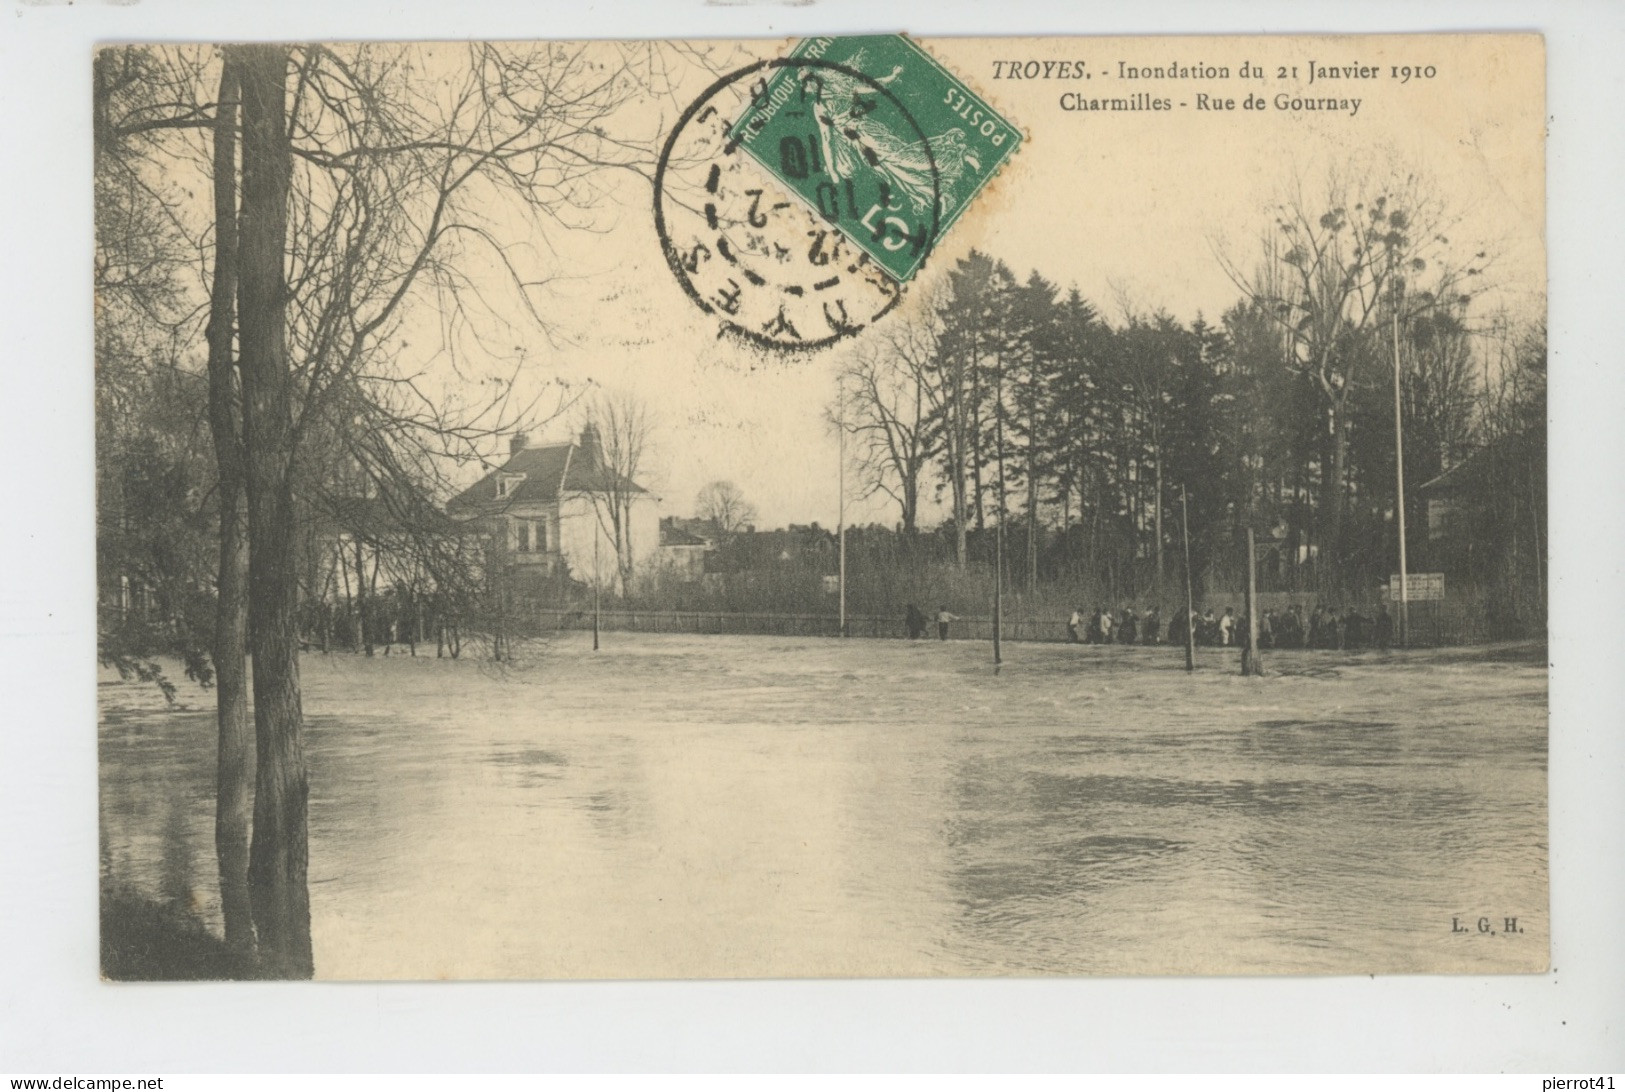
column 620, row 425
column 147, row 259
column 1331, row 266
column 235, row 757
column 367, row 184
column 947, row 379
column 723, row 505
column 883, row 400
column 398, row 162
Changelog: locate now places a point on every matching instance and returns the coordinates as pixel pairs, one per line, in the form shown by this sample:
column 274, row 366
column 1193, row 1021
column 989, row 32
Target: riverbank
column 144, row 940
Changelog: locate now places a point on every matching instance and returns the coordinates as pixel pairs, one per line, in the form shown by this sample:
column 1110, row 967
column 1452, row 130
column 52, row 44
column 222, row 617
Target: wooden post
column 998, row 598
column 998, row 540
column 595, row 596
column 1190, row 599
column 840, row 516
column 1399, row 480
column 1251, row 663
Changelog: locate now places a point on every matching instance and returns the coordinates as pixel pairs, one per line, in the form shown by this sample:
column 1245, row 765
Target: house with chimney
column 560, row 511
column 686, row 547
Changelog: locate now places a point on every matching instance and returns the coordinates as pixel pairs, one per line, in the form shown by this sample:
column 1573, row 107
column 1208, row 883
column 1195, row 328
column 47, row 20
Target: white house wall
column 579, row 525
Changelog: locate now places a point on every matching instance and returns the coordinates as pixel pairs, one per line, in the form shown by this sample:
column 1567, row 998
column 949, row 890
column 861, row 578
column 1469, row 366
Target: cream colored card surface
column 840, row 506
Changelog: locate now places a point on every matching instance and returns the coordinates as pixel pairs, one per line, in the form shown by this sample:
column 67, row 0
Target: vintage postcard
column 841, row 506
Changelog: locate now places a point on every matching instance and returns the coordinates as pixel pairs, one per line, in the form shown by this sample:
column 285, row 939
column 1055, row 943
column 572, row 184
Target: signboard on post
column 1418, row 586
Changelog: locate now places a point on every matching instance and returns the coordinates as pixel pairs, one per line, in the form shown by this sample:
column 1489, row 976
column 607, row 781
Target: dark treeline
column 1017, row 404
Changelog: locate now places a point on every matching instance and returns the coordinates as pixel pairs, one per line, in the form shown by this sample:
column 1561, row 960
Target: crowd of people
column 1323, row 627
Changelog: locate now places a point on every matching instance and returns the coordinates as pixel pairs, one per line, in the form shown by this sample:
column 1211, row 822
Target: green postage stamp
column 881, row 140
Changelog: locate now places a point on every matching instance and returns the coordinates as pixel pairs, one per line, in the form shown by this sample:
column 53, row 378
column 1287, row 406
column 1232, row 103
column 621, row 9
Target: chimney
column 516, row 443
column 591, row 449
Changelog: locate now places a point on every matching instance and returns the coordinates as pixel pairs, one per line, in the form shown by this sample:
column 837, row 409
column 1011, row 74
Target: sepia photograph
column 821, row 507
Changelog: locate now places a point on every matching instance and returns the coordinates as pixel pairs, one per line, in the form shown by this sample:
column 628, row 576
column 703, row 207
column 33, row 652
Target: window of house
column 507, row 483
column 530, row 536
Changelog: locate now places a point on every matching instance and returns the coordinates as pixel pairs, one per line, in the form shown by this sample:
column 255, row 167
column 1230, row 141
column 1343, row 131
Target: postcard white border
column 54, row 1014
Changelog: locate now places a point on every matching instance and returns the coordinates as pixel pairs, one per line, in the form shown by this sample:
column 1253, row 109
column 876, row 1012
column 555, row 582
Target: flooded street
column 678, row 806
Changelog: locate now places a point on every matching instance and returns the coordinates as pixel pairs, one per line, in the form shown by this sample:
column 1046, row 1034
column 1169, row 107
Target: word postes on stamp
column 892, row 159
column 796, row 195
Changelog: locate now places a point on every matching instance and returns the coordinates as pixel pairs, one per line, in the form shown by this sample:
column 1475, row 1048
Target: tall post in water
column 840, row 517
column 1190, row 598
column 1251, row 662
column 998, row 538
column 998, row 593
column 1399, row 477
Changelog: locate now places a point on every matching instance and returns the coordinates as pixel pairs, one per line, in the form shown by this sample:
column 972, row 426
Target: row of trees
column 268, row 218
column 1021, row 408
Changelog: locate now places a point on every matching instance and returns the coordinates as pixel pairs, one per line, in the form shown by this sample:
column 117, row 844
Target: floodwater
column 689, row 806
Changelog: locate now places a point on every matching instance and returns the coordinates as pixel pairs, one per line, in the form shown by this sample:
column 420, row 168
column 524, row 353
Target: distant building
column 799, row 546
column 684, row 546
column 364, row 544
column 1466, row 502
column 547, row 511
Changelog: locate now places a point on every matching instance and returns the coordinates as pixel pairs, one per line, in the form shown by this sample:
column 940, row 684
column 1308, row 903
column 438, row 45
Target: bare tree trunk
column 1335, row 488
column 1032, row 522
column 975, row 435
column 278, row 856
column 957, row 468
column 439, row 614
column 623, row 544
column 341, row 565
column 960, row 516
column 364, row 621
column 1157, row 442
column 911, row 478
column 415, row 634
column 234, row 755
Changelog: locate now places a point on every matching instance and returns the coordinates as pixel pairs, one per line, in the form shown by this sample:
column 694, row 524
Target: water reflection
column 804, row 810
column 177, row 883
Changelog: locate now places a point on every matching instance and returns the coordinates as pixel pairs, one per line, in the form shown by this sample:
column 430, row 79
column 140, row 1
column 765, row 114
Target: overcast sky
column 1122, row 205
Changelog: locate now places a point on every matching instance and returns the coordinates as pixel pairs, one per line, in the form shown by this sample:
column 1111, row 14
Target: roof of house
column 1445, row 482
column 403, row 513
column 1469, row 472
column 549, row 472
column 672, row 535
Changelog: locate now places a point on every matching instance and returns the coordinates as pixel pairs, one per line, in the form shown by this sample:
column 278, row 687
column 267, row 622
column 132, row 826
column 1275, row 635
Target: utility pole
column 998, row 536
column 840, row 517
column 1251, row 663
column 1399, row 475
column 998, row 593
column 1190, row 599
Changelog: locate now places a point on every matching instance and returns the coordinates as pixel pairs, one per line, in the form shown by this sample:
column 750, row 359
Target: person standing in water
column 914, row 622
column 1128, row 631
